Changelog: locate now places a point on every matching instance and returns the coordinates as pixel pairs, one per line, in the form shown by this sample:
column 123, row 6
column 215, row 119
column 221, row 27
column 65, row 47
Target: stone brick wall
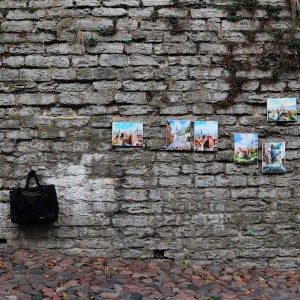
column 70, row 68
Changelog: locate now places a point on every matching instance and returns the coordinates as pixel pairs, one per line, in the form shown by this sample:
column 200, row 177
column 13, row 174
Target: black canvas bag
column 33, row 205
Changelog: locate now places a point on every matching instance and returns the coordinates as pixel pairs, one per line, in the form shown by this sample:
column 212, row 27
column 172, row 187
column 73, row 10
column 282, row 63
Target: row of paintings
column 206, row 140
column 246, row 153
column 205, row 135
column 178, row 135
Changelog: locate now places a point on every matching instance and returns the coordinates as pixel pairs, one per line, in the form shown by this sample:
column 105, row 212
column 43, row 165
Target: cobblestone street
column 27, row 275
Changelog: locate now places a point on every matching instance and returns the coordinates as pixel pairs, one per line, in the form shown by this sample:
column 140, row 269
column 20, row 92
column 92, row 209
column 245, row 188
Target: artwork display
column 246, row 148
column 127, row 134
column 282, row 109
column 273, row 158
column 205, row 136
column 178, row 135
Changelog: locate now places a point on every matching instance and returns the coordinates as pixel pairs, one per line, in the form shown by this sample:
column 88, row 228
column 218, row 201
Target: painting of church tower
column 127, row 134
column 282, row 109
column 205, row 136
column 246, row 148
column 178, row 135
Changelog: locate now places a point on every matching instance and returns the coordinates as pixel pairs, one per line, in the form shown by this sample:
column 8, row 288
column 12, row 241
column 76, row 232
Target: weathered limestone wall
column 68, row 69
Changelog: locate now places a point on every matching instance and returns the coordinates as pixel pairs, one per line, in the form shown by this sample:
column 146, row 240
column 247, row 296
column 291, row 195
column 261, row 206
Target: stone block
column 9, row 75
column 84, row 61
column 206, row 13
column 25, row 49
column 46, row 3
column 17, row 26
column 46, row 25
column 114, row 48
column 13, row 4
column 96, row 74
column 37, row 99
column 127, row 25
column 130, row 98
column 8, row 100
column 175, row 181
column 166, row 169
column 120, row 2
column 84, row 3
column 49, row 61
column 175, row 48
column 176, row 12
column 35, row 75
column 217, row 49
column 25, row 15
column 240, row 25
column 65, row 49
column 14, row 62
column 63, row 74
column 140, row 48
column 144, row 86
column 157, row 2
column 107, row 85
column 116, row 60
column 109, row 12
column 92, row 24
column 140, row 12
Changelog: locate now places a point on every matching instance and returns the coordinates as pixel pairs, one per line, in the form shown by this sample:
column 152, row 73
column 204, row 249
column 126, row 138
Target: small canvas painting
column 127, row 134
column 178, row 135
column 205, row 136
column 273, row 158
column 246, row 148
column 282, row 109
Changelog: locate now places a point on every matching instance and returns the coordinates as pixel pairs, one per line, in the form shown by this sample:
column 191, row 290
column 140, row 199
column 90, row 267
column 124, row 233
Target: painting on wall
column 282, row 109
column 127, row 134
column 273, row 158
column 246, row 148
column 205, row 136
column 178, row 135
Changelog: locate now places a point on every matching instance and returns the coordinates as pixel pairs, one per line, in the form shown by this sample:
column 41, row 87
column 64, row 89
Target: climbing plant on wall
column 281, row 54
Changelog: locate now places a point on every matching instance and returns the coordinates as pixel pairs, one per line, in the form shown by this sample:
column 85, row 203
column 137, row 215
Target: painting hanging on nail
column 282, row 109
column 127, row 134
column 246, row 148
column 205, row 136
column 273, row 158
column 178, row 135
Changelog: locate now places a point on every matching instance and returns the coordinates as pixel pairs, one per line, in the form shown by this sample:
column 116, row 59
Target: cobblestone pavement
column 27, row 275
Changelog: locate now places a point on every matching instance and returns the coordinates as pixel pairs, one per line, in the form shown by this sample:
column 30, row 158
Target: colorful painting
column 205, row 136
column 178, row 135
column 246, row 148
column 273, row 158
column 282, row 109
column 127, row 134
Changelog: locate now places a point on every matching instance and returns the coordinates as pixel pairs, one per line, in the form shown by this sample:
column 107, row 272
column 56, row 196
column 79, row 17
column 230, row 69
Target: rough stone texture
column 68, row 69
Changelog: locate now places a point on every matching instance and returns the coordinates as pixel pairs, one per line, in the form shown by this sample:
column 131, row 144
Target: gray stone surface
column 68, row 69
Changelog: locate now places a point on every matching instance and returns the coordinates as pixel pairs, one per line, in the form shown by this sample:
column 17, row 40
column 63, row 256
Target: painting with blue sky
column 178, row 135
column 246, row 148
column 206, row 136
column 273, row 158
column 127, row 134
column 282, row 109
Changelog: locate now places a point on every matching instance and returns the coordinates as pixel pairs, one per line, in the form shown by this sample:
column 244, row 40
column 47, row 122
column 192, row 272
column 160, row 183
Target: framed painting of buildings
column 246, row 148
column 273, row 158
column 127, row 134
column 282, row 109
column 178, row 135
column 205, row 136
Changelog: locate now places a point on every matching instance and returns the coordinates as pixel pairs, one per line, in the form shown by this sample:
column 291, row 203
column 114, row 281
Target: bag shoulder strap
column 32, row 174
